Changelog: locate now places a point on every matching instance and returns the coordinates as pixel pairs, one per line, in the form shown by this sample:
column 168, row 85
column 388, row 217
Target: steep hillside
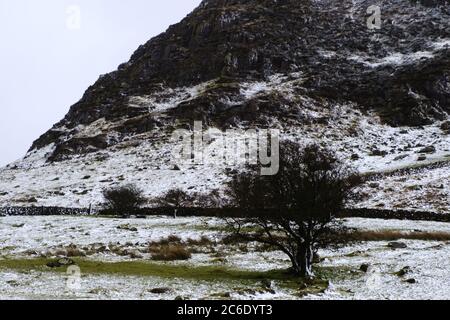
column 311, row 68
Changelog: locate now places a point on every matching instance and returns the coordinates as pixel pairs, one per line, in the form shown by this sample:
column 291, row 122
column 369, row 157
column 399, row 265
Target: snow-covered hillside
column 379, row 98
column 148, row 159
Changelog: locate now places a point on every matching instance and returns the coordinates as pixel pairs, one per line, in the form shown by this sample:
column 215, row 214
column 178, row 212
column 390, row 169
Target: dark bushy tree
column 294, row 210
column 124, row 200
column 177, row 199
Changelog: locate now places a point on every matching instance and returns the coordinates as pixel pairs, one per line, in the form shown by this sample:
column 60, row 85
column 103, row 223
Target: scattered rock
column 31, row 200
column 31, row 252
column 415, row 188
column 21, row 225
column 63, row 262
column 397, row 245
column 246, row 292
column 75, row 252
column 378, row 153
column 364, row 267
column 98, row 291
column 135, row 255
column 127, row 227
column 404, row 156
column 66, row 262
column 226, row 295
column 13, row 283
column 411, row 281
column 266, row 284
column 355, row 157
column 160, row 290
column 421, row 158
column 374, row 185
column 429, row 150
column 403, row 271
column 445, row 126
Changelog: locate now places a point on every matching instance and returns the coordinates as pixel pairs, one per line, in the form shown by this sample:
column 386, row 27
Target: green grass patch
column 202, row 273
column 134, row 268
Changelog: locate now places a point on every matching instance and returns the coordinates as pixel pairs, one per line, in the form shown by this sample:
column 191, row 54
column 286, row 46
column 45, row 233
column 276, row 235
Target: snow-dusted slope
column 312, row 70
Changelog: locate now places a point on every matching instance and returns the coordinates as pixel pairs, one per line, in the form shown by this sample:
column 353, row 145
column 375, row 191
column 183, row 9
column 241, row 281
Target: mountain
column 311, row 68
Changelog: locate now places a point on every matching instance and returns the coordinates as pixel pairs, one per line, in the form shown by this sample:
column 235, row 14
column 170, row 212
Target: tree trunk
column 295, row 266
column 304, row 260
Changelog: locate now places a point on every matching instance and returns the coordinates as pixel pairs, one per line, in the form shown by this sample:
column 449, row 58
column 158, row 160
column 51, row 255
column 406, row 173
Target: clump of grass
column 174, row 248
column 203, row 241
column 233, row 239
column 172, row 239
column 171, row 252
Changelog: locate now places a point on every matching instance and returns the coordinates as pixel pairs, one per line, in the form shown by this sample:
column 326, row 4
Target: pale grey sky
column 52, row 50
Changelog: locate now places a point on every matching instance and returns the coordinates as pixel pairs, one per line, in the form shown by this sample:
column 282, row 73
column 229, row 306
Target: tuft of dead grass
column 203, row 241
column 170, row 252
column 392, row 235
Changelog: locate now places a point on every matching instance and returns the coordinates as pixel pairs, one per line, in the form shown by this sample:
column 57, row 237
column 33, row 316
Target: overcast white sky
column 52, row 50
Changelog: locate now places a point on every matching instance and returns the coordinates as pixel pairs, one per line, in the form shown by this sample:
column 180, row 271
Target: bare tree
column 295, row 210
column 123, row 200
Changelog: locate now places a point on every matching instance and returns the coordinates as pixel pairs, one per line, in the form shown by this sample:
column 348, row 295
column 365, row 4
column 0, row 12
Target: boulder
column 429, row 150
column 160, row 290
column 378, row 153
column 397, row 245
column 364, row 267
column 421, row 158
column 404, row 156
column 404, row 271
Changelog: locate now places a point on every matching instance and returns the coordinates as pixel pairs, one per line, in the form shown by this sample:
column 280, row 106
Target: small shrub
column 123, row 200
column 172, row 239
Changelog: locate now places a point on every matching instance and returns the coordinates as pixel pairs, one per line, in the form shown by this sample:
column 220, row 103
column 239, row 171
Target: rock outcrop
column 402, row 70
